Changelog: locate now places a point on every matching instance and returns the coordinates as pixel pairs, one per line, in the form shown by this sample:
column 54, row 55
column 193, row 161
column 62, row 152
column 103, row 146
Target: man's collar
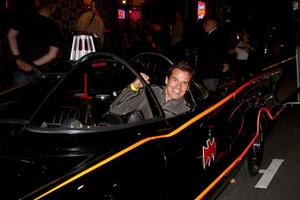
column 211, row 31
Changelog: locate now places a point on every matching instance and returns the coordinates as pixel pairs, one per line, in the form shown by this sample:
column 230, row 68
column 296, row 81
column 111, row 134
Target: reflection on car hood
column 20, row 102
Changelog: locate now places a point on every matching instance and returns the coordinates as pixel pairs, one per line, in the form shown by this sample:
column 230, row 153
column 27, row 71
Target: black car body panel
column 64, row 145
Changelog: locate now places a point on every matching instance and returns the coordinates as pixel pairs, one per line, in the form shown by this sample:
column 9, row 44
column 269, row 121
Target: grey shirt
column 129, row 101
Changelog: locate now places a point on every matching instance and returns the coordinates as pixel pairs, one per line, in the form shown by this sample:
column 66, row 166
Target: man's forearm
column 52, row 54
column 127, row 101
column 12, row 40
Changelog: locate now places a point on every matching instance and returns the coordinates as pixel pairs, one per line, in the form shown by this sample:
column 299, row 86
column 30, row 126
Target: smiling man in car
column 170, row 96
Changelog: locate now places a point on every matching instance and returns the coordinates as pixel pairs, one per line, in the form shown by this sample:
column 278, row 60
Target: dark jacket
column 212, row 55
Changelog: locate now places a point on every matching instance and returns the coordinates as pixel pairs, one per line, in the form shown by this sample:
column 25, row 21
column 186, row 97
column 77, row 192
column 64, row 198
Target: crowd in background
column 213, row 51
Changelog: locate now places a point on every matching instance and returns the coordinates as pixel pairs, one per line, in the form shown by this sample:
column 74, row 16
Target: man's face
column 208, row 26
column 177, row 84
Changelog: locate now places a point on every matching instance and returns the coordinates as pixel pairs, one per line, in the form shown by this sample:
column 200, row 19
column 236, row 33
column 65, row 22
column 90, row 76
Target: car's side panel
column 138, row 175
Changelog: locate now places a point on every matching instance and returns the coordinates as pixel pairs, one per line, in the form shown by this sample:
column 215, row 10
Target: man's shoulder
column 157, row 87
column 158, row 91
column 87, row 14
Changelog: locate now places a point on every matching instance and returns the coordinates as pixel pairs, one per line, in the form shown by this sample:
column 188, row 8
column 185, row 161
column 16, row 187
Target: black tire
column 252, row 162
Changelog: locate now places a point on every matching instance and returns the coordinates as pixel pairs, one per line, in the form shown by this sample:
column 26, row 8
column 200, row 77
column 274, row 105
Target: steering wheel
column 134, row 116
column 87, row 62
column 109, row 119
column 154, row 64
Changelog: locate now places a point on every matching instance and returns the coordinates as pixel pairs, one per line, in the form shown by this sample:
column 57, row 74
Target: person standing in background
column 241, row 62
column 177, row 35
column 212, row 56
column 34, row 40
column 90, row 22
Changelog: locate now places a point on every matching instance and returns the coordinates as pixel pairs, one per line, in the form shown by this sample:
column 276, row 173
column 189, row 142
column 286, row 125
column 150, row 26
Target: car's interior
column 83, row 99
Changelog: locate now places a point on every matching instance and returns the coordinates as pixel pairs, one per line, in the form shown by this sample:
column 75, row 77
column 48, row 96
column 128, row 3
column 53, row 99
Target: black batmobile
column 58, row 140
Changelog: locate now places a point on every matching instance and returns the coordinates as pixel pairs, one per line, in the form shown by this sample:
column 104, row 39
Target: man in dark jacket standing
column 212, row 55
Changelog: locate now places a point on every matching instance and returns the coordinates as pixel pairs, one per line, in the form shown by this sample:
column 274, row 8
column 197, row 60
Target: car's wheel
column 252, row 163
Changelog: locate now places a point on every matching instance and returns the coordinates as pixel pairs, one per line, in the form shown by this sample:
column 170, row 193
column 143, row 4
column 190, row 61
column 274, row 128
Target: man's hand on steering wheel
column 138, row 84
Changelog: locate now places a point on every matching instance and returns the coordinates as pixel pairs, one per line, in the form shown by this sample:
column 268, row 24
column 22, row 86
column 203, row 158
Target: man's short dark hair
column 183, row 66
column 45, row 3
column 212, row 19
